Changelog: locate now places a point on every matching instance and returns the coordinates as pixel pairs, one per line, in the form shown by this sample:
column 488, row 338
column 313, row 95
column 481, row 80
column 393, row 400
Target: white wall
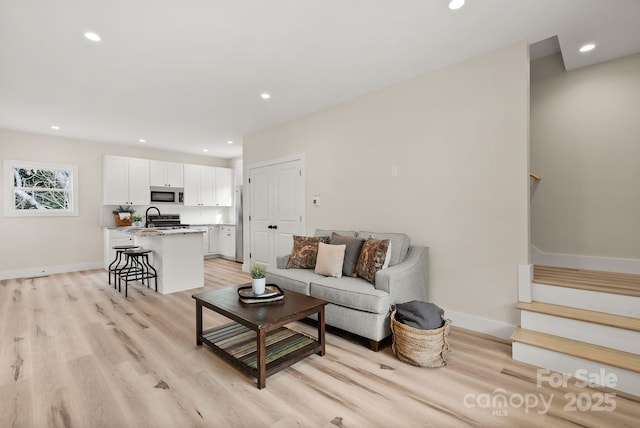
column 49, row 243
column 585, row 144
column 459, row 139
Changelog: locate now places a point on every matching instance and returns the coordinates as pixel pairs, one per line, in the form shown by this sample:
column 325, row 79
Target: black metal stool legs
column 136, row 268
column 115, row 266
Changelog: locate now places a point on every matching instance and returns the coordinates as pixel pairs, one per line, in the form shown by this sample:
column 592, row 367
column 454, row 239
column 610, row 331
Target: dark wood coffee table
column 257, row 341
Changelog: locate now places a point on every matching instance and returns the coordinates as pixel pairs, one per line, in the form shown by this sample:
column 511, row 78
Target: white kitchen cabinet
column 125, row 181
column 199, row 182
column 214, row 239
column 111, row 238
column 228, row 241
column 224, row 187
column 166, row 174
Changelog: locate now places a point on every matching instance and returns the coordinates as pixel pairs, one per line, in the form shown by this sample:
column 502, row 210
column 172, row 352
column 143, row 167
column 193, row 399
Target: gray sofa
column 356, row 305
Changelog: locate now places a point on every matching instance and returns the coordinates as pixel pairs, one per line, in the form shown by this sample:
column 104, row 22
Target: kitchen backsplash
column 188, row 215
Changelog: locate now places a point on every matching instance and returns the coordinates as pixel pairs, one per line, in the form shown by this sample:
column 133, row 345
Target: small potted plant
column 258, row 273
column 122, row 215
column 136, row 220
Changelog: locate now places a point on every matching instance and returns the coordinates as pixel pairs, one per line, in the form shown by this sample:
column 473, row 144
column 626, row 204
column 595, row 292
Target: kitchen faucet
column 146, row 215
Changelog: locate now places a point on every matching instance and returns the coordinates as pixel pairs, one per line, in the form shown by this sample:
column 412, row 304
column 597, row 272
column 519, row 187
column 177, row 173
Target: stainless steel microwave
column 167, row 195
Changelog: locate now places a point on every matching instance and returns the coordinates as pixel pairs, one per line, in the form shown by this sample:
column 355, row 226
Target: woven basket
column 119, row 222
column 423, row 348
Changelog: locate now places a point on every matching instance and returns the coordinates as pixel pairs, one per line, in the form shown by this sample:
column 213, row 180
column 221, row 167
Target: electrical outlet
column 394, row 171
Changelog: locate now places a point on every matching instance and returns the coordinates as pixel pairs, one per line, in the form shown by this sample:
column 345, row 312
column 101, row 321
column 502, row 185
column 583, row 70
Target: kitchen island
column 176, row 255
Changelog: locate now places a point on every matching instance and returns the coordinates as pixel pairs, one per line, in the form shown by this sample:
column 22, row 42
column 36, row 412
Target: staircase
column 584, row 323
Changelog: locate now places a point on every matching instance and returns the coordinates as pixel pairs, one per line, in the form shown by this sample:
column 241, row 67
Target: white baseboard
column 480, row 325
column 585, row 262
column 49, row 270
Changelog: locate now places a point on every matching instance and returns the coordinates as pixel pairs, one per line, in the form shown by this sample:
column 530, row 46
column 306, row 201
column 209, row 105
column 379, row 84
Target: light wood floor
column 76, row 353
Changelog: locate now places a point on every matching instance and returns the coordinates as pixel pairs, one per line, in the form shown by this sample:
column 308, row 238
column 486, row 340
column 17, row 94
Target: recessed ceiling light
column 56, row 127
column 456, row 4
column 229, row 142
column 205, row 150
column 265, row 96
column 586, row 48
column 142, row 140
column 92, row 36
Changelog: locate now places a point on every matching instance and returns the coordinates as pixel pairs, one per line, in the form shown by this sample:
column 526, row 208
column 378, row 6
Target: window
column 40, row 189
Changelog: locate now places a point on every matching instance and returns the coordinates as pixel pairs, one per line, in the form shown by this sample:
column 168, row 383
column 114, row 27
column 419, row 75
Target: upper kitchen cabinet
column 199, row 185
column 224, row 187
column 125, row 181
column 165, row 174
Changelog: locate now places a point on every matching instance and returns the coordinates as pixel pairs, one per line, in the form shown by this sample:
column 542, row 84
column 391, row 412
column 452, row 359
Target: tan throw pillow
column 372, row 257
column 304, row 252
column 330, row 259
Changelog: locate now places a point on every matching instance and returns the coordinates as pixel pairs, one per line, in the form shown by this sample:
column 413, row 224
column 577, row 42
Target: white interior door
column 260, row 215
column 289, row 205
column 276, row 210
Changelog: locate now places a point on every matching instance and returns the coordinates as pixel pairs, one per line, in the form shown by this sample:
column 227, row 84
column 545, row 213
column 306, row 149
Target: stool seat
column 124, row 247
column 137, row 252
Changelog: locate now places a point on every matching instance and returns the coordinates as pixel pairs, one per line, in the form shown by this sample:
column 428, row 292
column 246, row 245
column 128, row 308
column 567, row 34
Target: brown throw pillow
column 371, row 259
column 304, row 252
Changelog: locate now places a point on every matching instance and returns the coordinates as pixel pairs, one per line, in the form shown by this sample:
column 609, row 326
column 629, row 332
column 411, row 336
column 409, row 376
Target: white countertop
column 153, row 231
column 212, row 224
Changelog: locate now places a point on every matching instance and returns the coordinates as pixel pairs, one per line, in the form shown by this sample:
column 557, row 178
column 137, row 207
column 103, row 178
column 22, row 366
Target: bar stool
column 116, row 263
column 136, row 268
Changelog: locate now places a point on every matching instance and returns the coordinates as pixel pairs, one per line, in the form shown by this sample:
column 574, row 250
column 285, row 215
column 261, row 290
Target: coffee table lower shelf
column 237, row 344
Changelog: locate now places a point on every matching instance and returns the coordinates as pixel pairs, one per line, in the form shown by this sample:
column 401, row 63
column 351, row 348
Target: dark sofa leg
column 374, row 345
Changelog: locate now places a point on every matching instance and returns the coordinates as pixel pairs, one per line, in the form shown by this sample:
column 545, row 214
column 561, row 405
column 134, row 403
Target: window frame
column 9, row 198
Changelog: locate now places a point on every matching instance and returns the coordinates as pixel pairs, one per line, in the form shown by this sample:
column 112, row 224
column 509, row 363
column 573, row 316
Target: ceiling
column 187, row 75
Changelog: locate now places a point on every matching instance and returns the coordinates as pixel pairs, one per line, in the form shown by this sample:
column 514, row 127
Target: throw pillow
column 330, row 259
column 304, row 252
column 351, row 253
column 372, row 257
column 387, row 258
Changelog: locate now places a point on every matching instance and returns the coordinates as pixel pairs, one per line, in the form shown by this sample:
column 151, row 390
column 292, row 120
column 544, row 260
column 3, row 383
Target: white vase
column 258, row 285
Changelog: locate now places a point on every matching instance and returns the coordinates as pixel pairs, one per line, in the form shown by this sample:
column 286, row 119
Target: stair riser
column 597, row 334
column 592, row 300
column 627, row 381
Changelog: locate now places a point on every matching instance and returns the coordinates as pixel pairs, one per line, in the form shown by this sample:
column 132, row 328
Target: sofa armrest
column 282, row 261
column 408, row 280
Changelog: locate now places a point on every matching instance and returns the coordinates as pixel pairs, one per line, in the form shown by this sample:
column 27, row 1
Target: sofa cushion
column 351, row 253
column 330, row 259
column 328, row 233
column 304, row 252
column 399, row 244
column 297, row 280
column 354, row 293
column 372, row 258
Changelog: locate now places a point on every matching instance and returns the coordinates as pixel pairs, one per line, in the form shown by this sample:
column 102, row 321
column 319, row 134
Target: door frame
column 246, row 265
